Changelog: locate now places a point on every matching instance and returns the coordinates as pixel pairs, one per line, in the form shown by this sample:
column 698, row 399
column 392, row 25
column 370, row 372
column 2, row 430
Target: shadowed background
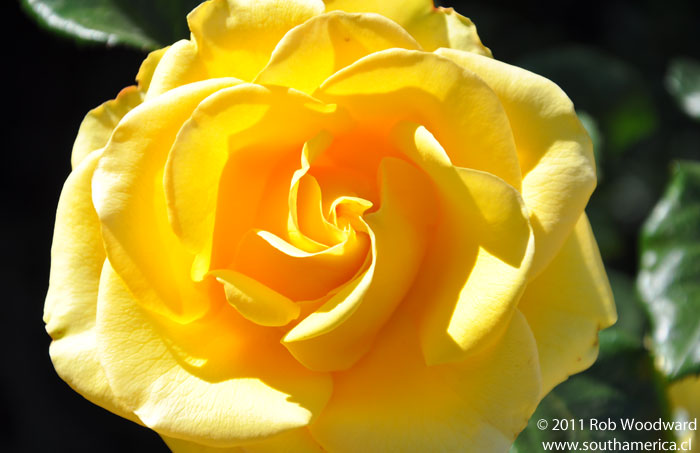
column 610, row 57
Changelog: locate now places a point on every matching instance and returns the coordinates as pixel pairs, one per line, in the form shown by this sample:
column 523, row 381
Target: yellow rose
column 338, row 226
column 684, row 396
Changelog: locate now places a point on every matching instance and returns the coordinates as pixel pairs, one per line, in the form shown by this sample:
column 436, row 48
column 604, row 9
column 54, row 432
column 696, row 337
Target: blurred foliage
column 627, row 333
column 145, row 25
column 609, row 89
column 683, row 82
column 669, row 274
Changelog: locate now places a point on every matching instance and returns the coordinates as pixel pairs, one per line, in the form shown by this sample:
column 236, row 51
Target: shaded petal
column 219, row 381
column 225, row 159
column 77, row 256
column 566, row 306
column 343, row 329
column 129, row 199
column 455, row 105
column 392, row 401
column 478, row 261
column 321, row 46
column 255, row 301
column 308, row 226
column 444, row 27
column 236, row 37
column 295, row 273
column 554, row 150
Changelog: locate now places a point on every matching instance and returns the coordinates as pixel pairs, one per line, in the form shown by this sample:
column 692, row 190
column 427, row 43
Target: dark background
column 611, row 48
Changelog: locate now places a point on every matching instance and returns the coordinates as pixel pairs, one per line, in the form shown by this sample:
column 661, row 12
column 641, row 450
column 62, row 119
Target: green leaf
column 669, row 276
column 683, row 82
column 142, row 24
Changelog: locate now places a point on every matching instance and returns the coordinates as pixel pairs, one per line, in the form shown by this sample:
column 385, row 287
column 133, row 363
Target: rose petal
column 129, row 199
column 309, row 227
column 392, row 401
column 401, row 12
column 295, row 273
column 454, row 104
column 342, row 330
column 179, row 65
column 685, row 396
column 148, row 68
column 313, row 51
column 255, row 301
column 77, row 256
column 99, row 123
column 219, row 381
column 236, row 37
column 443, row 27
column 432, row 27
column 555, row 152
column 566, row 306
column 477, row 264
column 225, row 163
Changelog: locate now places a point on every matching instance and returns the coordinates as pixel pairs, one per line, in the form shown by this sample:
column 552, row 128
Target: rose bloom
column 334, row 227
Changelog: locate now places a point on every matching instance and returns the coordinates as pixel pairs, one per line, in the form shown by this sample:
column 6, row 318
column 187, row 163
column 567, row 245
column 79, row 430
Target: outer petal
column 321, row 46
column 555, row 152
column 128, row 196
column 566, row 306
column 219, row 381
column 99, row 123
column 400, row 12
column 432, row 27
column 685, row 396
column 148, row 67
column 455, row 105
column 236, row 37
column 443, row 27
column 77, row 256
column 179, row 65
column 685, row 404
column 392, row 401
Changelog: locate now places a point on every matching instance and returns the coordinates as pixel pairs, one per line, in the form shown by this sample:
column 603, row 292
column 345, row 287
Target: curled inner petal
column 337, row 334
column 298, row 274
